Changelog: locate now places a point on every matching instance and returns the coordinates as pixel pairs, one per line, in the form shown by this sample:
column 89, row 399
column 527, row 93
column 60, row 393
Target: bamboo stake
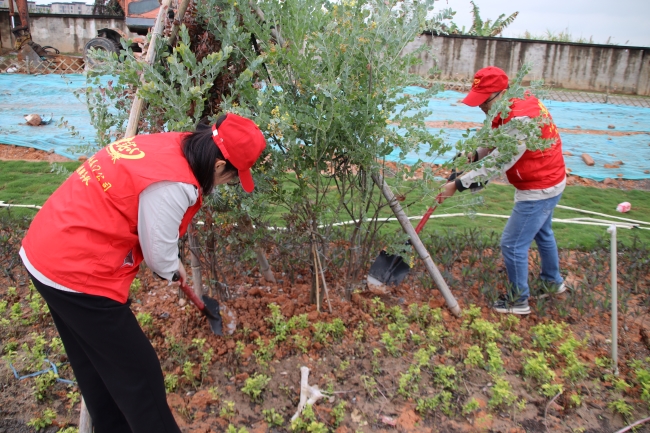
column 313, row 250
column 613, row 269
column 85, row 422
column 327, row 295
column 136, row 107
column 451, row 302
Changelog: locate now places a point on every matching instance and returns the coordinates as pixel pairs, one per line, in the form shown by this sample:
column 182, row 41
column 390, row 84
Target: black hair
column 202, row 154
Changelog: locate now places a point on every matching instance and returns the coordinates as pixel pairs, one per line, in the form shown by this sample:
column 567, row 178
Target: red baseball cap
column 486, row 82
column 241, row 142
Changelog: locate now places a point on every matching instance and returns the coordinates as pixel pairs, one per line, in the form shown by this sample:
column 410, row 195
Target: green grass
column 499, row 200
column 24, row 182
column 32, row 183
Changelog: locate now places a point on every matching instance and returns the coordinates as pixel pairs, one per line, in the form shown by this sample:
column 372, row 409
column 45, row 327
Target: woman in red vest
column 129, row 202
column 539, row 178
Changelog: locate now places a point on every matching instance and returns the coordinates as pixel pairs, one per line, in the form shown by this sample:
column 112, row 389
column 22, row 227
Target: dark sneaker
column 552, row 291
column 505, row 306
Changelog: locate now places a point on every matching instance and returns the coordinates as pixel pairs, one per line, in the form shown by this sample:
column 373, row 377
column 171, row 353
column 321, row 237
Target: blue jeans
column 530, row 220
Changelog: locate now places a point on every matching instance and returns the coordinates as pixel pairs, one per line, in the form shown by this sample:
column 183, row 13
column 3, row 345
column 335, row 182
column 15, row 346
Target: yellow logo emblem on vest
column 543, row 109
column 125, row 148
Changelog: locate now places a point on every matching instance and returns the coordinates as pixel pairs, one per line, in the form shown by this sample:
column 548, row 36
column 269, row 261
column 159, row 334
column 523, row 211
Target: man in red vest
column 539, row 178
column 129, row 202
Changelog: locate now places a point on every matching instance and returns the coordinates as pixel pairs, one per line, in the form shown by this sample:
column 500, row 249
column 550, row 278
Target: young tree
column 324, row 82
column 333, row 107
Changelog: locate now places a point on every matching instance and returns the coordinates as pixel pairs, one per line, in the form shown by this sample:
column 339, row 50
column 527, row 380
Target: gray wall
column 589, row 67
column 68, row 33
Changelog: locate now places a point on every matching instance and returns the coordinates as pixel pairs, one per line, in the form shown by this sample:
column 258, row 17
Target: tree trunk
column 265, row 268
column 195, row 254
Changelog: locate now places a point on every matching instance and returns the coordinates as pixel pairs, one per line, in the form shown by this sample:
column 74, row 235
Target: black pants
column 115, row 365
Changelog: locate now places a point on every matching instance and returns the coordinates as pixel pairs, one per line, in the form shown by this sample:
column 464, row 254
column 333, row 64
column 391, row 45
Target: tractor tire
column 103, row 44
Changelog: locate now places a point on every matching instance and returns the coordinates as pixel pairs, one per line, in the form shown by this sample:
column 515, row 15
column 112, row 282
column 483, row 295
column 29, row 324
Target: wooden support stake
column 313, row 250
column 451, row 302
column 327, row 295
column 136, row 107
column 85, row 422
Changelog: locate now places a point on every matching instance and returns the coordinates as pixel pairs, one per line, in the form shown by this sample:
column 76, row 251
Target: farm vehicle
column 139, row 17
column 35, row 57
column 21, row 29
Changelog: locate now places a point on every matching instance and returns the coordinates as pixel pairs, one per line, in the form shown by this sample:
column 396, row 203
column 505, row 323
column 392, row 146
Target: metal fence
column 462, row 85
column 49, row 65
column 603, row 98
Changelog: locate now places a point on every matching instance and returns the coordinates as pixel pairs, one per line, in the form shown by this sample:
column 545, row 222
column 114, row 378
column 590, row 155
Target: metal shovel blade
column 389, row 269
column 211, row 312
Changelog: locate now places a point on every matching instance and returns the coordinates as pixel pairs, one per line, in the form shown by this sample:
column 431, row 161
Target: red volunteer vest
column 541, row 168
column 86, row 235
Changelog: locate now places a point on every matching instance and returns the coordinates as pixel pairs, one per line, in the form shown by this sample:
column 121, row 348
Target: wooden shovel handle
column 425, row 218
column 190, row 294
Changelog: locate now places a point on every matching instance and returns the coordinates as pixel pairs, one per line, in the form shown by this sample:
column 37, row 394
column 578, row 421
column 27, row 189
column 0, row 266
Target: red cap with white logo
column 241, row 142
column 486, row 82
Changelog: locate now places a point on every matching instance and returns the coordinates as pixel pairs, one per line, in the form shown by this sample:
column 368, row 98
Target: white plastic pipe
column 559, row 206
column 613, row 265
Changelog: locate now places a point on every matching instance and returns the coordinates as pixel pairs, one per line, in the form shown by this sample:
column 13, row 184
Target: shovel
column 209, row 307
column 391, row 269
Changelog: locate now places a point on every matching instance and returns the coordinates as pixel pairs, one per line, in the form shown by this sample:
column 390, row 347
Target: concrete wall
column 67, row 33
column 588, row 67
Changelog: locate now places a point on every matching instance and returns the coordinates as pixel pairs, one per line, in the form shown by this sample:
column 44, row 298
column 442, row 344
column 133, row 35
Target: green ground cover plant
column 440, row 365
column 324, row 92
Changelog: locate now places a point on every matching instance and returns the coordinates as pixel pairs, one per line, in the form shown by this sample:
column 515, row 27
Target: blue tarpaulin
column 53, row 95
column 590, row 133
column 48, row 96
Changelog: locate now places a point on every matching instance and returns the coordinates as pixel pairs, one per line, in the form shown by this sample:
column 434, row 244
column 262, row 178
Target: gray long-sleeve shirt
column 487, row 173
column 161, row 209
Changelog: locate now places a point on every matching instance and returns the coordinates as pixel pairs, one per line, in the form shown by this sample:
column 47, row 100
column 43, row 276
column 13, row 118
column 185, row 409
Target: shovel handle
column 425, row 218
column 190, row 294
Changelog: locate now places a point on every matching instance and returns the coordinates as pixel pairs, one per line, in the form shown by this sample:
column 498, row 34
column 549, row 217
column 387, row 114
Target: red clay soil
column 9, row 153
column 355, row 367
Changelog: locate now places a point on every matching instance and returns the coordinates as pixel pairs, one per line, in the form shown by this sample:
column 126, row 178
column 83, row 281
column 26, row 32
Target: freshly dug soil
column 10, row 152
column 360, row 366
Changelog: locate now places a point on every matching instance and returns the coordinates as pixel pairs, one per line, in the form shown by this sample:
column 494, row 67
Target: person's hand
column 181, row 271
column 447, row 191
